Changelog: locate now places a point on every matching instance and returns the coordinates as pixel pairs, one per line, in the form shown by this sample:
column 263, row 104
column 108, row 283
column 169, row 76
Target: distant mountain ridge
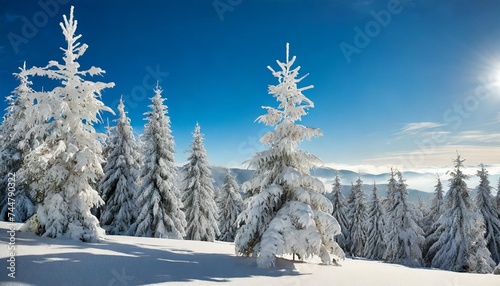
column 327, row 175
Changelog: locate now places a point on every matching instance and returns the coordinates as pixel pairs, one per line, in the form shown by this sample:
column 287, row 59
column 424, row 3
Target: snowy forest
column 64, row 179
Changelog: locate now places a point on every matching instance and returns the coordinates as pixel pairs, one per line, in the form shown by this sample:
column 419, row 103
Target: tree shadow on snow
column 111, row 263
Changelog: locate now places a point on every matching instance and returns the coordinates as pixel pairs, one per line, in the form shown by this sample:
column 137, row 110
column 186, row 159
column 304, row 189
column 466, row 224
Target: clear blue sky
column 407, row 97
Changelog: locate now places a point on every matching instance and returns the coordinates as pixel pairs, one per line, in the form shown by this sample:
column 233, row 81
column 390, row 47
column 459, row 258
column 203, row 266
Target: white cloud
column 416, row 127
column 361, row 168
column 436, row 157
column 476, row 136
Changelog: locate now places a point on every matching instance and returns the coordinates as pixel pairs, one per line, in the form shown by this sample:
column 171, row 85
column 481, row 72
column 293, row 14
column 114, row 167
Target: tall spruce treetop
column 199, row 194
column 287, row 211
column 159, row 200
column 12, row 153
column 486, row 205
column 121, row 173
column 339, row 204
column 230, row 203
column 64, row 168
column 457, row 239
column 404, row 237
column 435, row 208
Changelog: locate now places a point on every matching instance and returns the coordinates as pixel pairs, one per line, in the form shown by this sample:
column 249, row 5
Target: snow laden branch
column 285, row 211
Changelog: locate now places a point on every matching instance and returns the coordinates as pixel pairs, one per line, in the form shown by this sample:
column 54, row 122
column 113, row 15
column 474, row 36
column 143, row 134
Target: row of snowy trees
column 142, row 192
column 454, row 232
column 49, row 141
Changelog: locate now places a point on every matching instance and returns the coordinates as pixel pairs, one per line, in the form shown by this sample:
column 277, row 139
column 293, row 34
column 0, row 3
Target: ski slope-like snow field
column 125, row 260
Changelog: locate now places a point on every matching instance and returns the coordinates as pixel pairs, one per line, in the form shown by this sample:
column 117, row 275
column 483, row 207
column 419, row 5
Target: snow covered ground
column 124, row 260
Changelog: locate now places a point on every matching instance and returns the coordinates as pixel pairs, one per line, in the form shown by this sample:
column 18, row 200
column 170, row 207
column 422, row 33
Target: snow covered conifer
column 485, row 203
column 121, row 172
column 456, row 241
column 435, row 208
column 64, row 168
column 404, row 236
column 199, row 194
column 358, row 219
column 376, row 228
column 230, row 204
column 159, row 200
column 340, row 213
column 287, row 212
column 11, row 152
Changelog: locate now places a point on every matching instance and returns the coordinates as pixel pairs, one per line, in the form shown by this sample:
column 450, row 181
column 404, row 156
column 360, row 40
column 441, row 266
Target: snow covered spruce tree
column 339, row 204
column 357, row 217
column 13, row 147
column 159, row 201
column 229, row 202
column 404, row 236
column 121, row 172
column 485, row 203
column 435, row 208
column 199, row 194
column 376, row 228
column 456, row 241
column 63, row 169
column 287, row 212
